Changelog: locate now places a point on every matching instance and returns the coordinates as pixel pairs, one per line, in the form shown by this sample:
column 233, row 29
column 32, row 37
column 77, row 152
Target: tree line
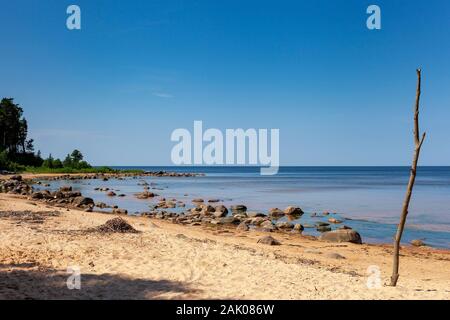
column 17, row 149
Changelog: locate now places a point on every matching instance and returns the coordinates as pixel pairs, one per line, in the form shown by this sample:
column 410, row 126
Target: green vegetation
column 17, row 152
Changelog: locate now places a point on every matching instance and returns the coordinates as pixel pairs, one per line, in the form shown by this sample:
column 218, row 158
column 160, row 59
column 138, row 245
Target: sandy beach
column 172, row 261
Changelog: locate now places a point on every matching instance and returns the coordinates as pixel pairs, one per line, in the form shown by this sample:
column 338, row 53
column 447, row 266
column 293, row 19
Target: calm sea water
column 369, row 198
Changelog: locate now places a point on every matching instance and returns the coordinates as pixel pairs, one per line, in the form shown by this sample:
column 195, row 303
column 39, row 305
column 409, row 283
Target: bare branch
column 418, row 145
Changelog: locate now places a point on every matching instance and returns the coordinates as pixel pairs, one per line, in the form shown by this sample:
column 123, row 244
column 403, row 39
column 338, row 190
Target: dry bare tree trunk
column 418, row 145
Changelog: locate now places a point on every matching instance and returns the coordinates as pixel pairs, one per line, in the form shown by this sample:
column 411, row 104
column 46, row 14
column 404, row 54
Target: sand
column 170, row 261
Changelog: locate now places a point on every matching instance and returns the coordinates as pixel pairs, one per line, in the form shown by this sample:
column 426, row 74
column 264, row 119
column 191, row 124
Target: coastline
column 173, row 261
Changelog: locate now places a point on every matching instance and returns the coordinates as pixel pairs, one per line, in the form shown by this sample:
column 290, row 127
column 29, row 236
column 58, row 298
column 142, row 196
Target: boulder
column 145, row 195
column 322, row 224
column 120, row 211
column 206, row 208
column 238, row 208
column 16, row 178
column 228, row 220
column 267, row 226
column 82, row 201
column 293, row 211
column 111, row 194
column 65, row 188
column 197, row 200
column 276, row 213
column 220, row 211
column 335, row 221
column 255, row 214
column 37, row 195
column 341, row 235
column 284, row 225
column 323, row 228
column 242, row 227
column 298, row 228
column 418, row 243
column 269, row 241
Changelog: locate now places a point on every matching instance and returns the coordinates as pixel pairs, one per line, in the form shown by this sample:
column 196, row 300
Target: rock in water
column 293, row 211
column 238, row 208
column 269, row 241
column 220, row 211
column 298, row 228
column 276, row 213
column 82, row 201
column 341, row 235
column 323, row 228
column 418, row 243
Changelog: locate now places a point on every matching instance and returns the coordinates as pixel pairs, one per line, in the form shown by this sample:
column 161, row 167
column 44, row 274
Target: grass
column 75, row 170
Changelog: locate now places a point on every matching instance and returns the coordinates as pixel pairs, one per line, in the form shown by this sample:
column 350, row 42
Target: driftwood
column 418, row 145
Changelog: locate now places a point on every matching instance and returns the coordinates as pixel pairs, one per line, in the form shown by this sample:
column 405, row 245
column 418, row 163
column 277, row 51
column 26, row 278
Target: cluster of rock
column 15, row 185
column 172, row 174
column 207, row 214
column 204, row 213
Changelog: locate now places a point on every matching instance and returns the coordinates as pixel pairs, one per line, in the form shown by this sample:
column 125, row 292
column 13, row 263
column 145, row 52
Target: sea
column 367, row 199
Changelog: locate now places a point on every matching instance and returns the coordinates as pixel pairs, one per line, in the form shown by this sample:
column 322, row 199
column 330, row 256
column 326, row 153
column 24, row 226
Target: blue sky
column 339, row 93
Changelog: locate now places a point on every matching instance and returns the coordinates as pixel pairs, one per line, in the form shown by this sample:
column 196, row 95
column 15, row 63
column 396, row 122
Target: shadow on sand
column 26, row 281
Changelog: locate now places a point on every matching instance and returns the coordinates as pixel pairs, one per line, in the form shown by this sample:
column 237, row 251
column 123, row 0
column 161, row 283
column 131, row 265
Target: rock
column 269, row 241
column 120, row 211
column 213, row 200
column 325, row 213
column 276, row 213
column 220, row 211
column 298, row 227
column 88, row 209
column 293, row 211
column 242, row 227
column 145, row 195
column 334, row 255
column 197, row 200
column 82, row 201
column 341, row 235
column 345, row 228
column 16, row 178
column 257, row 221
column 323, row 228
column 111, row 194
column 101, row 205
column 267, row 226
column 284, row 225
column 255, row 214
column 335, row 221
column 322, row 224
column 418, row 243
column 65, row 189
column 121, row 195
column 37, row 195
column 206, row 208
column 238, row 208
column 228, row 220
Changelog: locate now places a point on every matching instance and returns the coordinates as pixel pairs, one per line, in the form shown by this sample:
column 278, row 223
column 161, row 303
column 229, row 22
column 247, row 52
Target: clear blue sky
column 339, row 93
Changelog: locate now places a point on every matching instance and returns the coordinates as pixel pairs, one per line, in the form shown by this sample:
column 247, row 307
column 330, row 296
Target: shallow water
column 370, row 196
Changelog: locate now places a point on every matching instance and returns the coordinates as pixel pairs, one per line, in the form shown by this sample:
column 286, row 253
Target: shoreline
column 170, row 261
column 36, row 178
